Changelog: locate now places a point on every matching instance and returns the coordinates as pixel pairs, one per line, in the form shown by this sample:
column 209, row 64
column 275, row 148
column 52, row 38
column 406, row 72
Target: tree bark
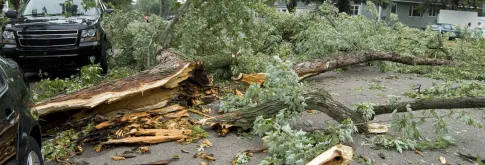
column 312, row 68
column 424, row 104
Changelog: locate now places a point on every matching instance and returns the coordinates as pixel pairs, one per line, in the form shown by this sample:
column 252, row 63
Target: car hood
column 51, row 23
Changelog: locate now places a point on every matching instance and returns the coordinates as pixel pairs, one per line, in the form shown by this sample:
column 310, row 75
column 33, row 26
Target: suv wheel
column 104, row 59
column 33, row 156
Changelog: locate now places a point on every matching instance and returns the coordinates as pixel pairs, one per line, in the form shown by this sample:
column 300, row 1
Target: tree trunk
column 291, row 5
column 324, row 102
column 312, row 68
column 150, row 89
column 424, row 104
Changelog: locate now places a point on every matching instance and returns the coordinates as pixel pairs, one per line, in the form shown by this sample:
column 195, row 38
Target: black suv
column 56, row 34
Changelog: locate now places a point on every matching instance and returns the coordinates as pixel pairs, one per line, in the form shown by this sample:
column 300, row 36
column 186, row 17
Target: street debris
column 442, row 160
column 162, row 162
column 116, row 158
column 337, row 155
column 470, row 158
column 419, row 153
column 257, row 78
column 245, row 156
column 376, row 128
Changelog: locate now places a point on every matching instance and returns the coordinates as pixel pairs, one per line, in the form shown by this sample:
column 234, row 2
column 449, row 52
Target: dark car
column 55, row 34
column 447, row 28
column 20, row 133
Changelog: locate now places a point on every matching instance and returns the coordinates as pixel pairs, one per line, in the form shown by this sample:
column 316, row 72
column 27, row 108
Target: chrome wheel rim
column 33, row 159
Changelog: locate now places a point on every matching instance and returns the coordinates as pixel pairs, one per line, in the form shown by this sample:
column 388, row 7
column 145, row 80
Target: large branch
column 311, row 68
column 424, row 104
column 317, row 100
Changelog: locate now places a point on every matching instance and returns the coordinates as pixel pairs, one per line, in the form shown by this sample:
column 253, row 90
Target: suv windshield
column 56, row 7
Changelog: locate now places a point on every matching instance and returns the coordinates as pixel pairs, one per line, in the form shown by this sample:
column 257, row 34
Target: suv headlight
column 8, row 35
column 89, row 35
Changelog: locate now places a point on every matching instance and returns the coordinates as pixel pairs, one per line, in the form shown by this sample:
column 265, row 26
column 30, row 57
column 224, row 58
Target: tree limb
column 312, row 68
column 424, row 104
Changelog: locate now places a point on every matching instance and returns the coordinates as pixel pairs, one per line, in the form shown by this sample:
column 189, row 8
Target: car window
column 446, row 27
column 56, row 7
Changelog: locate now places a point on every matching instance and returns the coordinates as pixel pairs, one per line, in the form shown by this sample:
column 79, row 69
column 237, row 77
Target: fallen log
column 425, row 104
column 311, row 68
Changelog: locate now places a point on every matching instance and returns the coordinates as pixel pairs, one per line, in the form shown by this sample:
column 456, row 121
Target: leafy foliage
column 451, row 89
column 88, row 76
column 367, row 110
column 136, row 39
column 64, row 145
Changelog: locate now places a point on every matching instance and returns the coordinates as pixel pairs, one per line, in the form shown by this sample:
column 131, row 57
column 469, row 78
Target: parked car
column 445, row 28
column 53, row 35
column 20, row 133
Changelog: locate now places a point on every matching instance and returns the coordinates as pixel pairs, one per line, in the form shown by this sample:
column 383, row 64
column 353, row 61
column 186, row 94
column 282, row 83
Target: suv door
column 8, row 120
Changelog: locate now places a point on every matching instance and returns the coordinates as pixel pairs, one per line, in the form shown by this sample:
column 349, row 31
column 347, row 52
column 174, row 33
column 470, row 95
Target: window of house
column 394, row 8
column 433, row 12
column 284, row 10
column 354, row 10
column 414, row 12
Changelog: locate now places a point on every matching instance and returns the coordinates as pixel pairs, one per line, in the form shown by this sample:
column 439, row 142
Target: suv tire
column 33, row 155
column 104, row 59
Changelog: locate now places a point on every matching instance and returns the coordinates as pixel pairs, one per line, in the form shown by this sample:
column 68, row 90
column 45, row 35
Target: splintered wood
column 337, row 155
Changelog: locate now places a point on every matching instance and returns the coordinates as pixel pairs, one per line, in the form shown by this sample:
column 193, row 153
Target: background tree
column 120, row 4
column 148, row 6
column 344, row 6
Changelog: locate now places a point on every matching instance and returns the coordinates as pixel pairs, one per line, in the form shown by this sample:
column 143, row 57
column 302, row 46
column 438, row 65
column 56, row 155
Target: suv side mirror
column 109, row 11
column 12, row 14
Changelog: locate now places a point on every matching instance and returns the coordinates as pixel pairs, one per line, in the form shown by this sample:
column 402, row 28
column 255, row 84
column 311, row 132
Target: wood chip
column 208, row 157
column 103, row 125
column 239, row 93
column 419, row 153
column 376, row 128
column 184, row 151
column 207, row 142
column 257, row 78
column 144, row 149
column 442, row 160
column 312, row 111
column 339, row 154
column 203, row 163
column 179, row 114
column 116, row 158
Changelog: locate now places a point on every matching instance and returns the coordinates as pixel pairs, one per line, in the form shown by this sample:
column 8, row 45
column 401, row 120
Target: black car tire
column 33, row 147
column 104, row 59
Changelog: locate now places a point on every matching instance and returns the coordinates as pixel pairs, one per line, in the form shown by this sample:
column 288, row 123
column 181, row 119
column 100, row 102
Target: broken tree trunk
column 311, row 68
column 424, row 104
column 319, row 100
column 150, row 89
